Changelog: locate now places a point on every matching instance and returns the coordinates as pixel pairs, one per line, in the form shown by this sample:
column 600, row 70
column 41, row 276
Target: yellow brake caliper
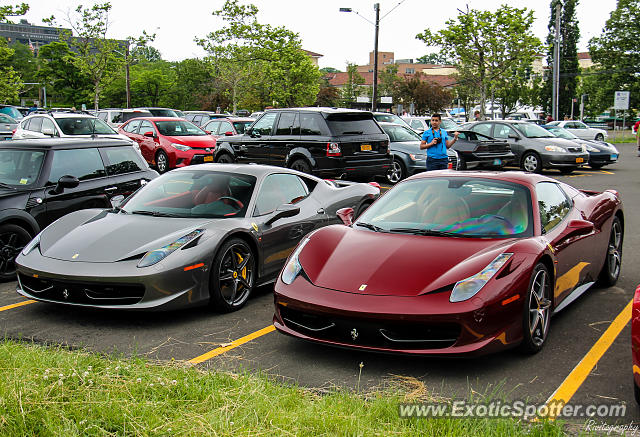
column 244, row 269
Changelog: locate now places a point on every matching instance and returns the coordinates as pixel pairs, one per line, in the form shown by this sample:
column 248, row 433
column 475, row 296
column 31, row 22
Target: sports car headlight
column 556, row 149
column 31, row 245
column 155, row 256
column 592, row 149
column 467, row 288
column 293, row 267
column 181, row 147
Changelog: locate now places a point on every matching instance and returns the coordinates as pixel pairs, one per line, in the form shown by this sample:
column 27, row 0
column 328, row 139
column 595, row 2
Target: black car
column 601, row 153
column 327, row 142
column 41, row 180
column 477, row 150
column 408, row 158
column 535, row 148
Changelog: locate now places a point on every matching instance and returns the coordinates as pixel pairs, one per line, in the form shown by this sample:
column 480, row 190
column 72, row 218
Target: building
column 314, row 56
column 30, row 35
column 405, row 66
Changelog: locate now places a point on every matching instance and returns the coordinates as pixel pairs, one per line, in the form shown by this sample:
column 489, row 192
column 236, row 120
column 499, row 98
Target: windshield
column 449, row 125
column 194, row 194
column 179, row 128
column 162, row 112
column 459, row 206
column 531, row 130
column 400, row 133
column 241, row 126
column 562, row 133
column 11, row 111
column 6, row 119
column 20, row 168
column 352, row 124
column 83, row 126
column 390, row 118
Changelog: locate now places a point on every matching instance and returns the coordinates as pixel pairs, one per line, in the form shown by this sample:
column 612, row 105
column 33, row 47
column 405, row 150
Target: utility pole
column 556, row 66
column 126, row 71
column 374, row 96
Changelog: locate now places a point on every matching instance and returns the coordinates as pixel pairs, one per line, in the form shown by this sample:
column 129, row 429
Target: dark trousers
column 437, row 164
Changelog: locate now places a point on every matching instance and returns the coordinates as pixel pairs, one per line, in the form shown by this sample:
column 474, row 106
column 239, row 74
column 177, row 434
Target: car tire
column 225, row 158
column 613, row 260
column 362, row 208
column 13, row 238
column 599, row 137
column 535, row 326
column 162, row 162
column 301, row 165
column 596, row 166
column 567, row 170
column 531, row 162
column 462, row 164
column 232, row 276
column 397, row 172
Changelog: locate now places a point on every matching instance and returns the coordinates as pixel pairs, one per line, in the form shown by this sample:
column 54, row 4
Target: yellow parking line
column 222, row 349
column 16, row 305
column 606, row 172
column 579, row 374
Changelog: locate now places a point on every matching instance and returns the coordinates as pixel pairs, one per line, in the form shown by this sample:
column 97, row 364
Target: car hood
column 203, row 141
column 552, row 141
column 360, row 261
column 93, row 235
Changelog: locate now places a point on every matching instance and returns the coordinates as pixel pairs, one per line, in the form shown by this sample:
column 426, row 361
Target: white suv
column 66, row 125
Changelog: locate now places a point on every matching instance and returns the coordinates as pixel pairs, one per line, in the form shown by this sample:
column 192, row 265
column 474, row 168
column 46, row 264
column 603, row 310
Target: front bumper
column 603, row 158
column 565, row 159
column 421, row 325
column 487, row 159
column 117, row 285
column 184, row 159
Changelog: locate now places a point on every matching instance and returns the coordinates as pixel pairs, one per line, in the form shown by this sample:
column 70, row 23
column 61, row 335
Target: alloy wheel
column 395, row 172
column 236, row 275
column 614, row 252
column 530, row 163
column 539, row 308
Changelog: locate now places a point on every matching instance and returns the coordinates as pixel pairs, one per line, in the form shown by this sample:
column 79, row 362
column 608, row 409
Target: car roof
column 326, row 110
column 158, row 119
column 64, row 143
column 518, row 177
column 232, row 119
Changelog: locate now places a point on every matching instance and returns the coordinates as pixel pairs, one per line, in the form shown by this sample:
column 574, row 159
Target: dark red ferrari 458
column 452, row 263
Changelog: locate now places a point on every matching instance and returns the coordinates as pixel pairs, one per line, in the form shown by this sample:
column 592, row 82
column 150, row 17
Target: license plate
column 365, row 147
column 208, row 158
column 579, row 160
column 497, row 161
column 614, row 157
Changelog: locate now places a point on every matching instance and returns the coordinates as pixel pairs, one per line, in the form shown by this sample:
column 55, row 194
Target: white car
column 69, row 124
column 421, row 124
column 581, row 130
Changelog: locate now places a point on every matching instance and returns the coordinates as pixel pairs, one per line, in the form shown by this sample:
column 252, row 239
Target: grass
column 619, row 137
column 52, row 391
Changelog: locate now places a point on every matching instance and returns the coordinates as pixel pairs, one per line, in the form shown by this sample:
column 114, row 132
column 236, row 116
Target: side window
column 146, row 126
column 189, row 117
column 81, row 163
column 197, row 120
column 288, row 124
column 483, row 128
column 553, row 203
column 132, row 127
column 102, row 115
column 264, row 125
column 25, row 124
column 48, row 124
column 213, row 127
column 278, row 189
column 502, row 131
column 116, row 117
column 310, row 124
column 36, row 124
column 122, row 160
column 225, row 127
column 579, row 125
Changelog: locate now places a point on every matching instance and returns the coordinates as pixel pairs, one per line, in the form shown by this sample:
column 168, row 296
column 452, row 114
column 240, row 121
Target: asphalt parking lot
column 245, row 340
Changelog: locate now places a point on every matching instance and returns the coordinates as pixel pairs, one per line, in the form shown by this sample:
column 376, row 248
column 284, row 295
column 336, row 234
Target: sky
column 340, row 37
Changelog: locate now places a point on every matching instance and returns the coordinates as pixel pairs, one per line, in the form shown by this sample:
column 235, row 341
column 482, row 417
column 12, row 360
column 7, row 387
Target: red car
column 452, row 263
column 169, row 142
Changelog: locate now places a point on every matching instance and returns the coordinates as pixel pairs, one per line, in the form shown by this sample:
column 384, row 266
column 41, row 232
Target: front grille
column 453, row 159
column 385, row 334
column 575, row 149
column 92, row 293
column 199, row 159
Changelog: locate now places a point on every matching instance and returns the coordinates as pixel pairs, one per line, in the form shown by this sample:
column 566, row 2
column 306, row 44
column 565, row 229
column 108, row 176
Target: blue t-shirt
column 439, row 151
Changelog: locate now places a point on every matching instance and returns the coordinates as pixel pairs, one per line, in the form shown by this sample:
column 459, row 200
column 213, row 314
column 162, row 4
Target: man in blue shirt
column 436, row 141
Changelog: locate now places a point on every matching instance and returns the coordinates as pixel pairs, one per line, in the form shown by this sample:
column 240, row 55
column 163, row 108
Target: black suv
column 327, row 142
column 41, row 180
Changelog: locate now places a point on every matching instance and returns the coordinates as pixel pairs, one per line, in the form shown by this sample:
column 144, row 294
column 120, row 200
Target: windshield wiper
column 370, row 226
column 3, row 185
column 430, row 232
column 154, row 213
column 354, row 132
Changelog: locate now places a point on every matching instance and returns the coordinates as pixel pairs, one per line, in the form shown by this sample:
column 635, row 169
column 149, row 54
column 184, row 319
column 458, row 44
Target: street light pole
column 126, row 70
column 374, row 96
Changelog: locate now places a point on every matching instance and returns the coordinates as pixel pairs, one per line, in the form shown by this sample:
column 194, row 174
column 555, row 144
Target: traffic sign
column 621, row 100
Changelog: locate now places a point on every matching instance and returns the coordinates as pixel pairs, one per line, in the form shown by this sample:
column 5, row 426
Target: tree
column 10, row 81
column 66, row 83
column 329, row 70
column 569, row 66
column 487, row 46
column 426, row 96
column 259, row 59
column 440, row 58
column 352, row 88
column 97, row 56
column 12, row 11
column 328, row 95
column 389, row 82
column 617, row 55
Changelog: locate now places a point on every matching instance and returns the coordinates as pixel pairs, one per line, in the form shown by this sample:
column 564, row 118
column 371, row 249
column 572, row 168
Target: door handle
column 110, row 189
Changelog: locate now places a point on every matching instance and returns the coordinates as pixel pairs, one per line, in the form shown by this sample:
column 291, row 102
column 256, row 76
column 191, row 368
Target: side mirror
column 580, row 227
column 149, row 134
column 117, row 200
column 346, row 215
column 50, row 132
column 66, row 181
column 253, row 134
column 285, row 210
column 513, row 137
column 229, row 133
column 208, row 132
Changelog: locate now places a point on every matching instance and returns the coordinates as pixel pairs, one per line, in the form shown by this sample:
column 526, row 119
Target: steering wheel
column 232, row 201
column 506, row 221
